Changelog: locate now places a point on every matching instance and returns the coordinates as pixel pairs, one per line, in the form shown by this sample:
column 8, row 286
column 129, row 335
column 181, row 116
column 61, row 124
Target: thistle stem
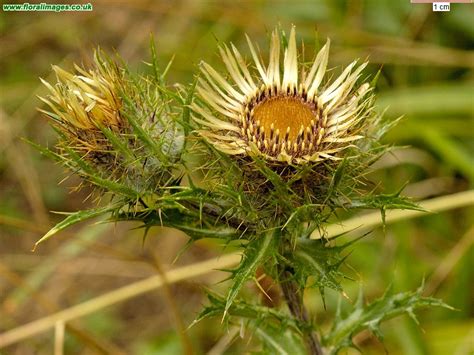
column 294, row 299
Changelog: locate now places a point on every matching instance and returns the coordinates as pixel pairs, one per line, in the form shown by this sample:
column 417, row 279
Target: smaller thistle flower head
column 121, row 127
column 284, row 115
column 83, row 103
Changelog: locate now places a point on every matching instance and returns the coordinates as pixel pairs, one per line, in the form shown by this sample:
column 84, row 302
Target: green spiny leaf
column 154, row 60
column 75, row 162
column 76, row 218
column 385, row 202
column 187, row 110
column 369, row 317
column 45, row 151
column 374, row 81
column 185, row 222
column 336, row 179
column 255, row 253
column 279, row 332
column 314, row 258
column 253, row 312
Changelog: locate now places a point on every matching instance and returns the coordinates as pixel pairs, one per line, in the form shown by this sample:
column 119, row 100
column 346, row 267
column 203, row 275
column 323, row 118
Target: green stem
column 294, row 298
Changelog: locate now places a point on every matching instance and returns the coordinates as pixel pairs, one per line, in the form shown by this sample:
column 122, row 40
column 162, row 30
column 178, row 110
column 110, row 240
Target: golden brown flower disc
column 283, row 112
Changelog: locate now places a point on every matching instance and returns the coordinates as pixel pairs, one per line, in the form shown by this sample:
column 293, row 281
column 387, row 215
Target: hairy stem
column 294, row 298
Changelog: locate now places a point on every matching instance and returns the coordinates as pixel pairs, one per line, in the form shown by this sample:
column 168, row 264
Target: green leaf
column 77, row 217
column 75, row 162
column 280, row 185
column 185, row 119
column 254, row 312
column 45, row 151
column 370, row 316
column 278, row 340
column 279, row 332
column 385, row 202
column 214, row 309
column 312, row 258
column 182, row 208
column 154, row 60
column 255, row 254
column 373, row 82
column 336, row 179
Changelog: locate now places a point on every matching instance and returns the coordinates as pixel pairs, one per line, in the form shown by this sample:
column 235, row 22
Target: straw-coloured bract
column 285, row 111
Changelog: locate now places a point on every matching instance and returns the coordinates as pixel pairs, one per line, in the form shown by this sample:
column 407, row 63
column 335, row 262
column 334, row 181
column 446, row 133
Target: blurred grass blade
column 450, row 151
column 428, row 100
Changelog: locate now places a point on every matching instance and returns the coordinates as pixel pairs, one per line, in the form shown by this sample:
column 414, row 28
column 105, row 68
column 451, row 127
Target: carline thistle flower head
column 282, row 114
column 82, row 103
column 109, row 119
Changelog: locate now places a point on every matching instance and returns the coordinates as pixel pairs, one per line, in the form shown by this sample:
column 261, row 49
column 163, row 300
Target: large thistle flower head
column 284, row 111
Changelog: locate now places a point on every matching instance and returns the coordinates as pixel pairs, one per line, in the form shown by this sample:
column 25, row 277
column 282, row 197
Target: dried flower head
column 84, row 103
column 119, row 126
column 282, row 115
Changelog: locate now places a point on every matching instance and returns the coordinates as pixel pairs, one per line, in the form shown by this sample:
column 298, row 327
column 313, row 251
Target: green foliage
column 385, row 202
column 183, row 220
column 279, row 333
column 316, row 259
column 250, row 311
column 78, row 217
column 76, row 163
column 256, row 253
column 369, row 317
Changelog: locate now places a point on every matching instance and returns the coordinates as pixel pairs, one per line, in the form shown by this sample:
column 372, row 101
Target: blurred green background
column 427, row 75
